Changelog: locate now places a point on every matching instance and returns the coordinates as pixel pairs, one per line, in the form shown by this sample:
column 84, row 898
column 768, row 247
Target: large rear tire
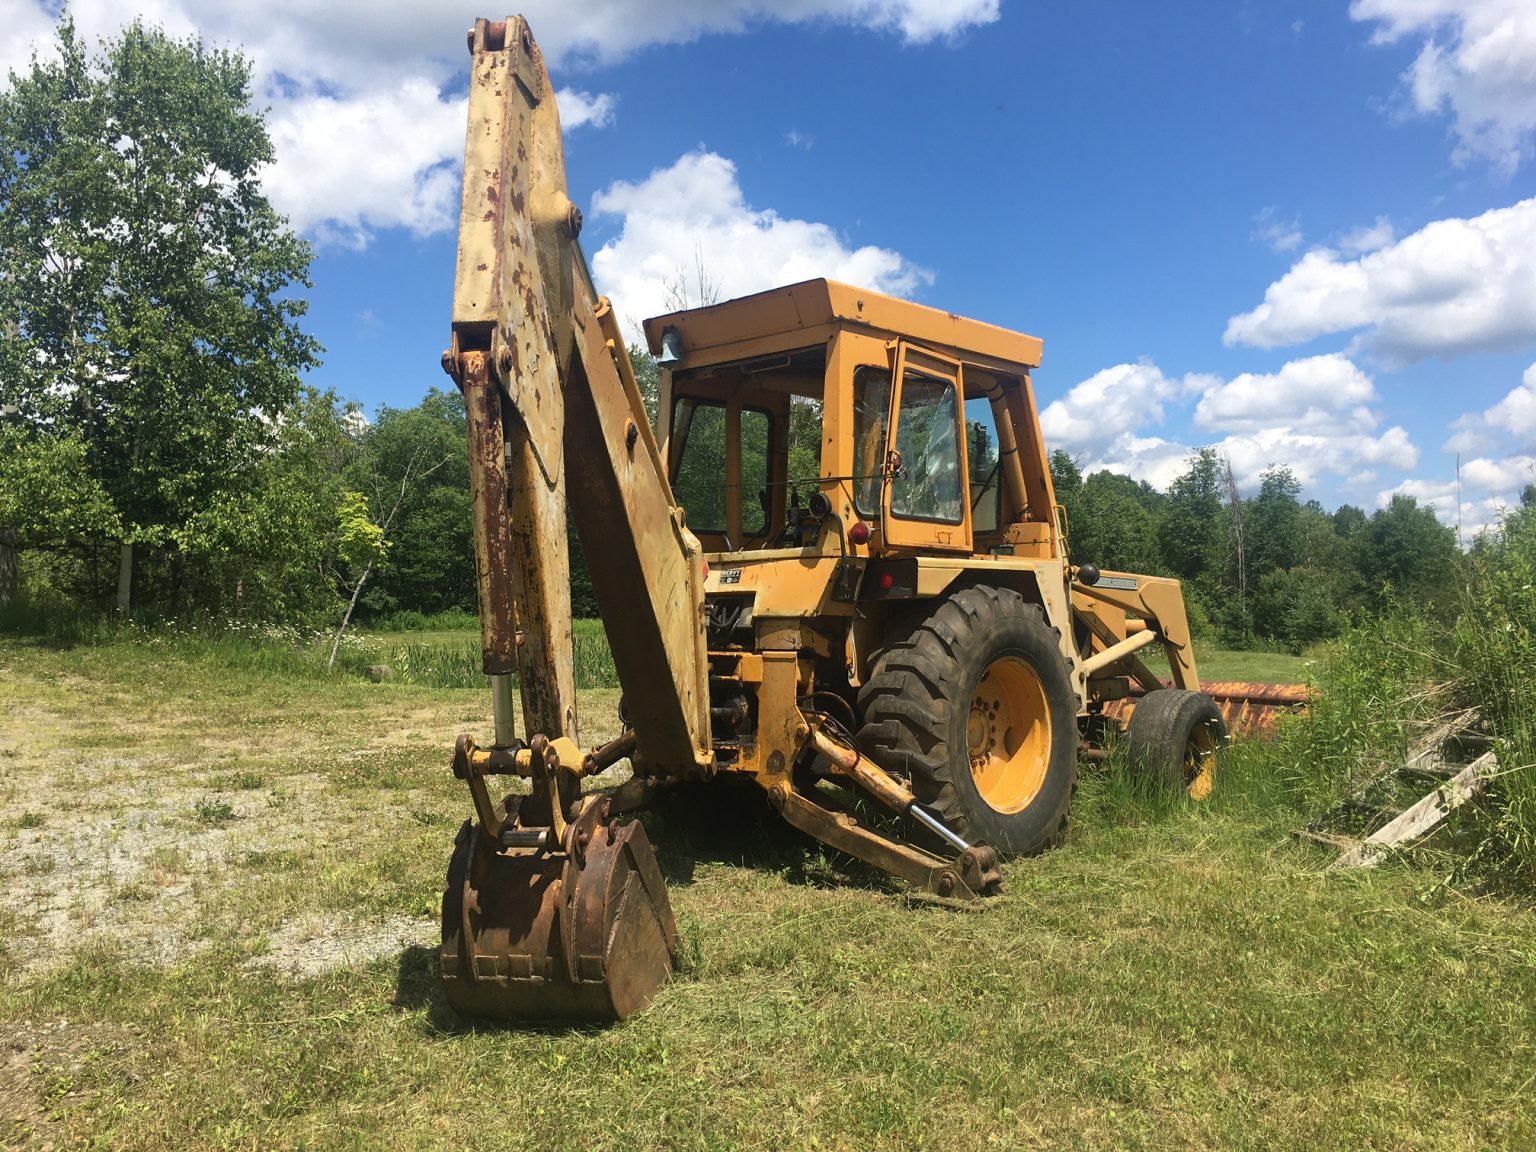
column 976, row 708
column 1176, row 736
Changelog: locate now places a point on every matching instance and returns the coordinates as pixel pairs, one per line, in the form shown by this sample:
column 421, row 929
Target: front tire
column 1176, row 737
column 976, row 707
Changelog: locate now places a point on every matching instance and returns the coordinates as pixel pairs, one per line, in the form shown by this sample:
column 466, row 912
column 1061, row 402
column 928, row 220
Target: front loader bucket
column 584, row 935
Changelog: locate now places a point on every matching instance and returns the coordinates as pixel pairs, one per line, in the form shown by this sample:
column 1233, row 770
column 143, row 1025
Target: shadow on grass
column 730, row 822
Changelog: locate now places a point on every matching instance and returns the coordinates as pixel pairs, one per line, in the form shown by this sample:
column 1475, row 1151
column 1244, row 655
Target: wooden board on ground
column 1422, row 817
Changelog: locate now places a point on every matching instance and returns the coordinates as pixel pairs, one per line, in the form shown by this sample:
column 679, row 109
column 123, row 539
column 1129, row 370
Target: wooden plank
column 1424, row 816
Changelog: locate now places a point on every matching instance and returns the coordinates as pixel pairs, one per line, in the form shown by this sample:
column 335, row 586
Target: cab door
column 923, row 501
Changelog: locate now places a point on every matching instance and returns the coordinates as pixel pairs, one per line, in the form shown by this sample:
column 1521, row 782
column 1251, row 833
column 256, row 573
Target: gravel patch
column 315, row 945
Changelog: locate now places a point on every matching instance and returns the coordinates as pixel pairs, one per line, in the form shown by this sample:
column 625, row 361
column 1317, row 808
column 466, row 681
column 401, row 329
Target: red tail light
column 859, row 532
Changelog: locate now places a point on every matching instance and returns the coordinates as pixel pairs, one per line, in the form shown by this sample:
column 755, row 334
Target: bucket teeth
column 585, row 934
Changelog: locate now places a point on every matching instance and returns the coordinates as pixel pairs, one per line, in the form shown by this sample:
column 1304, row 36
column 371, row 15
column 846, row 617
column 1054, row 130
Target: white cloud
column 1109, row 405
column 1487, row 489
column 1497, row 451
column 1478, row 61
column 1516, row 413
column 1512, row 419
column 335, row 182
column 329, row 71
column 1280, row 235
column 579, row 109
column 1312, row 415
column 610, row 29
column 694, row 214
column 23, row 27
column 1368, row 237
column 1151, row 458
column 1318, row 391
column 1453, row 287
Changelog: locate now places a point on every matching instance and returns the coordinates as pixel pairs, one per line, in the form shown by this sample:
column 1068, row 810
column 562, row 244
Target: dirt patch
column 316, row 944
column 159, row 816
column 132, row 871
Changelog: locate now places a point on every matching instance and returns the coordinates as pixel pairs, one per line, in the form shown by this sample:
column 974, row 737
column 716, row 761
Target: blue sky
column 1302, row 232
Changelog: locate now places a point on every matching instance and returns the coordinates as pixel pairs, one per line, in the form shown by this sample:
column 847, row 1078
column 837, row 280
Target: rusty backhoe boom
column 556, row 388
column 551, row 909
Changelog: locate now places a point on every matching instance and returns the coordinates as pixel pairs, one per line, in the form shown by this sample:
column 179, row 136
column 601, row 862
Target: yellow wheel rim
column 1008, row 735
column 1200, row 762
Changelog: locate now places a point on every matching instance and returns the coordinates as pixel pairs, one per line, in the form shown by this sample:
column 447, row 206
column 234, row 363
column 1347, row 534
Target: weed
column 215, row 812
column 31, row 820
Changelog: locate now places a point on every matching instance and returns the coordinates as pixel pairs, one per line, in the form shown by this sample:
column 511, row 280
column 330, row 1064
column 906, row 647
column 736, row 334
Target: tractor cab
column 820, row 412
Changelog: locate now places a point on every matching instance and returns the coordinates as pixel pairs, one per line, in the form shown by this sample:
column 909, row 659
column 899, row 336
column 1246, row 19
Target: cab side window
column 699, row 427
column 981, row 448
column 928, row 485
column 871, row 408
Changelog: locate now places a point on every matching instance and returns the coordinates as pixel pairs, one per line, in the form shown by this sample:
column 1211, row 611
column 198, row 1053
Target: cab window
column 928, row 485
column 986, row 481
column 871, row 408
column 699, row 482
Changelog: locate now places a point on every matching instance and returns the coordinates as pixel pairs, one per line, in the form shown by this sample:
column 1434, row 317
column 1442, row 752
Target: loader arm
column 555, row 418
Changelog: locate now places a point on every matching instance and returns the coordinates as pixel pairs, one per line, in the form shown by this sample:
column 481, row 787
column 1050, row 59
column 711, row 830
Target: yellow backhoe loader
column 896, row 632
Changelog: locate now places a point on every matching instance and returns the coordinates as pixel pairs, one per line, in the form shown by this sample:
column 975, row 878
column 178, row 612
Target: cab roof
column 710, row 332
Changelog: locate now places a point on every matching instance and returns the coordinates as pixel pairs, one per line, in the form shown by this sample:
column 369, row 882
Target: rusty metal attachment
column 581, row 931
column 1251, row 709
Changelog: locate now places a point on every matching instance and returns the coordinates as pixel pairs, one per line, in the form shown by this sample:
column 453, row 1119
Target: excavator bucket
column 581, row 934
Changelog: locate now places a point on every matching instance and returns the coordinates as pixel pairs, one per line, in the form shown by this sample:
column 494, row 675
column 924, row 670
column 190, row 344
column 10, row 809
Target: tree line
column 1265, row 567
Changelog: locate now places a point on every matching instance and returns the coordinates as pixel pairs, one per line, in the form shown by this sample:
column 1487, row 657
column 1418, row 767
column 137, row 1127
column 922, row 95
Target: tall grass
column 1373, row 690
column 1494, row 642
column 455, row 662
column 1385, row 682
column 454, row 619
column 449, row 659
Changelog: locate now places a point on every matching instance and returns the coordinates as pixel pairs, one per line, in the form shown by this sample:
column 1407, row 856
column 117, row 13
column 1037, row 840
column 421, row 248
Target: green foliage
column 1272, row 522
column 214, row 811
column 1369, row 698
column 47, row 493
column 430, row 566
column 1115, row 526
column 1495, row 652
column 1405, row 549
column 648, row 377
column 266, row 548
column 144, row 278
column 1192, row 530
column 1296, row 607
column 360, row 541
column 1067, row 481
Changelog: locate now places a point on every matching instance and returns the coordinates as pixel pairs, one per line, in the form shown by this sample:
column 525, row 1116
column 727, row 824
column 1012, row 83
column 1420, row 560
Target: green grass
column 452, row 658
column 1173, row 977
column 1230, row 664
